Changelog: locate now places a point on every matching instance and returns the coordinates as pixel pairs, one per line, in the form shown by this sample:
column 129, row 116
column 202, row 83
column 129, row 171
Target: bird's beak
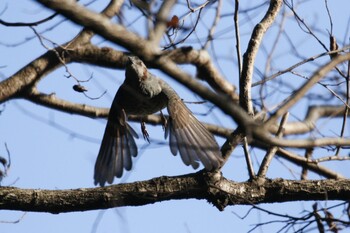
column 131, row 59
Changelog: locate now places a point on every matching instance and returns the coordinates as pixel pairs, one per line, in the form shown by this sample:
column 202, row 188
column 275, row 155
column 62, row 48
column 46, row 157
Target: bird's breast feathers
column 151, row 87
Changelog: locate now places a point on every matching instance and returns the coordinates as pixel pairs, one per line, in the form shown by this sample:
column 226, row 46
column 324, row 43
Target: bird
column 143, row 93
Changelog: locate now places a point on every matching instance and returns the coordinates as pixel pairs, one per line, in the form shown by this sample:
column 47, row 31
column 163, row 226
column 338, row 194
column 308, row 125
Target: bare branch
column 220, row 192
column 260, row 134
column 59, row 104
column 210, row 36
column 238, row 39
column 248, row 159
column 245, row 98
column 314, row 113
column 308, row 156
column 301, row 23
column 299, row 160
column 272, row 150
column 21, row 24
column 101, row 25
column 319, row 74
column 205, row 68
column 161, row 23
column 291, row 68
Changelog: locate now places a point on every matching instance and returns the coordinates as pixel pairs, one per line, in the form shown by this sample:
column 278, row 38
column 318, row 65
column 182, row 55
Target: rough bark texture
column 211, row 187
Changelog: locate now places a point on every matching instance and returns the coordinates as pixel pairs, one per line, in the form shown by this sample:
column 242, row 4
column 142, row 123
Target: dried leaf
column 174, row 22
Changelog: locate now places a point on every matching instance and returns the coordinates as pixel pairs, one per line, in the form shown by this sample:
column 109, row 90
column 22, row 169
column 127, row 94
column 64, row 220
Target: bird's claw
column 164, row 121
column 144, row 132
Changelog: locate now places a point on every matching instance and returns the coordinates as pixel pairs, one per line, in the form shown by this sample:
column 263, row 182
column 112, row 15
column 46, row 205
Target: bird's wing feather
column 189, row 136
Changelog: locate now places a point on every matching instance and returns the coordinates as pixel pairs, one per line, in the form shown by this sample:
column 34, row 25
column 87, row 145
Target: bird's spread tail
column 117, row 148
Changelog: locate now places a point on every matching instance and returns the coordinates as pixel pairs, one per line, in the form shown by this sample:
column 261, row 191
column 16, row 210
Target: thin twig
column 213, row 27
column 21, row 24
column 315, row 78
column 62, row 61
column 346, row 111
column 330, row 158
column 248, row 159
column 15, row 221
column 270, row 57
column 304, row 171
column 272, row 150
column 289, row 69
column 325, row 86
column 300, row 160
column 238, row 39
column 301, row 22
column 188, row 35
column 59, row 56
column 197, row 8
column 329, row 16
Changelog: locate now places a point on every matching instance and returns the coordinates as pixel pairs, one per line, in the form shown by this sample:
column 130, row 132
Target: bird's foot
column 164, row 121
column 144, row 132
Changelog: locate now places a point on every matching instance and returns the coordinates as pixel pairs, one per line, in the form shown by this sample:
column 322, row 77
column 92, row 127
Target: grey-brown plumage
column 142, row 93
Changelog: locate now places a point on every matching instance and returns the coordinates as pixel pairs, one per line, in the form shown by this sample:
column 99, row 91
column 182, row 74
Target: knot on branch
column 216, row 189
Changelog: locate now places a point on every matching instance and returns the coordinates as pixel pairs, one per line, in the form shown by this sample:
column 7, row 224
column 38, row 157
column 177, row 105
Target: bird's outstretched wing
column 189, row 136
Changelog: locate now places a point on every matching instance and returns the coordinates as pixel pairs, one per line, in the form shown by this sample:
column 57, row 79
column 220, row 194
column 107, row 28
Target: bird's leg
column 164, row 120
column 144, row 131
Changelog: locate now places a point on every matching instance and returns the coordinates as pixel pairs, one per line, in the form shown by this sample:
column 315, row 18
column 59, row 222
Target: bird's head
column 136, row 68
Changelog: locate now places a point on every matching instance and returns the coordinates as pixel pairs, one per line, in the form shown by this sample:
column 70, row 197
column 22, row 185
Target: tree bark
column 203, row 186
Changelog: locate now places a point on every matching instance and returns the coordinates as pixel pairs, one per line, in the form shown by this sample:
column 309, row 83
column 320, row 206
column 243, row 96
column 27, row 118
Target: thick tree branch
column 112, row 9
column 309, row 123
column 28, row 76
column 100, row 24
column 54, row 102
column 213, row 188
column 205, row 68
column 245, row 85
column 261, row 135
